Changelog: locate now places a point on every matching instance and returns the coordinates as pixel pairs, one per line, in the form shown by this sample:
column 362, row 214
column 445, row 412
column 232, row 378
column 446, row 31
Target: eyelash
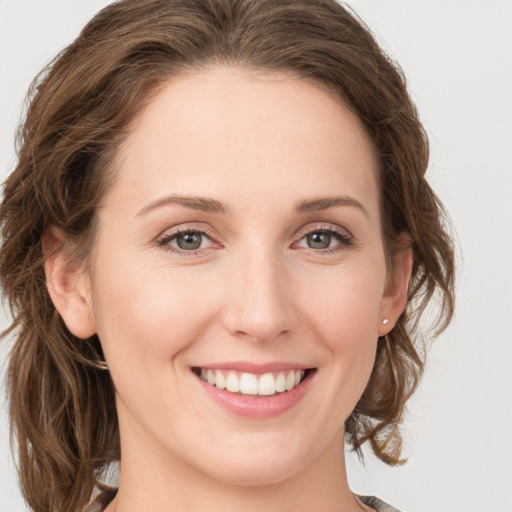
column 163, row 242
column 342, row 236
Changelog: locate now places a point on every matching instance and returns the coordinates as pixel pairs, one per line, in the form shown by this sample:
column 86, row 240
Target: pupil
column 319, row 240
column 189, row 241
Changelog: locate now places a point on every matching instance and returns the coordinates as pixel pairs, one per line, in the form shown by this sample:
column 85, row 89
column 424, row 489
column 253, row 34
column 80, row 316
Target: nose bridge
column 259, row 303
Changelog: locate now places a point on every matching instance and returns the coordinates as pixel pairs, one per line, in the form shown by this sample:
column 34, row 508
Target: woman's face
column 241, row 242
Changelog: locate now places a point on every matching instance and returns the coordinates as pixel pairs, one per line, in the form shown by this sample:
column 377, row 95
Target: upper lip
column 256, row 368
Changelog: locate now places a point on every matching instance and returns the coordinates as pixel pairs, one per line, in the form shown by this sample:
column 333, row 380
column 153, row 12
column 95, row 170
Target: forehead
column 230, row 131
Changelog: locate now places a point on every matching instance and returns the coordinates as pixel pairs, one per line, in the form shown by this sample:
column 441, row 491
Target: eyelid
column 169, row 234
column 346, row 238
column 320, row 226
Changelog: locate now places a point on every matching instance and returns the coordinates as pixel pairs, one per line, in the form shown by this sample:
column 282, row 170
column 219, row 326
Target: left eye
column 187, row 240
column 323, row 239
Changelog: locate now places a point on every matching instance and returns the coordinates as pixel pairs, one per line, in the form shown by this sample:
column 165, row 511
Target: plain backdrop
column 457, row 56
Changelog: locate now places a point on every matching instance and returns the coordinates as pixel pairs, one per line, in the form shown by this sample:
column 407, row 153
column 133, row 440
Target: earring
column 385, row 321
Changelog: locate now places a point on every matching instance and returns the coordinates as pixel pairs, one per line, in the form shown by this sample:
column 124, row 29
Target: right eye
column 186, row 241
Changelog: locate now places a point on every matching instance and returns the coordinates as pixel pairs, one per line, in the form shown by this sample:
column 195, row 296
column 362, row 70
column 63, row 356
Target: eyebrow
column 204, row 204
column 324, row 203
column 207, row 204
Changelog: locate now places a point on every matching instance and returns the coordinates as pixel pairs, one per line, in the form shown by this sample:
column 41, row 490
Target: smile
column 266, row 384
column 255, row 391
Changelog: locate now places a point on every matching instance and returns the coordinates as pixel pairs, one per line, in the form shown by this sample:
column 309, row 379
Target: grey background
column 457, row 56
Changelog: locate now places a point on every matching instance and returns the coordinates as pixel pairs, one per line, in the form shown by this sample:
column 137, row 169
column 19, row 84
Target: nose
column 259, row 303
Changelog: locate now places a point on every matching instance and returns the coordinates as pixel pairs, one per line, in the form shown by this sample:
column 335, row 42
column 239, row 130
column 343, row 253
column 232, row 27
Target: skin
column 259, row 143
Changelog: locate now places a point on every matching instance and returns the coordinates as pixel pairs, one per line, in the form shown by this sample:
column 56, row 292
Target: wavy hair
column 62, row 407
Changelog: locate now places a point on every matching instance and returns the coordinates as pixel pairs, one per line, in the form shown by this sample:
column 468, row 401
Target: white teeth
column 220, row 380
column 232, row 382
column 251, row 384
column 267, row 385
column 280, row 382
column 248, row 384
column 290, row 381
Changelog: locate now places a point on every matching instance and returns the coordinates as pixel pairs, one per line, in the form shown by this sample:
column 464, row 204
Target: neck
column 156, row 482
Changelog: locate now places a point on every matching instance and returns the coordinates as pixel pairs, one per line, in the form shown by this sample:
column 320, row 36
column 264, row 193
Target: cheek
column 344, row 302
column 343, row 312
column 148, row 316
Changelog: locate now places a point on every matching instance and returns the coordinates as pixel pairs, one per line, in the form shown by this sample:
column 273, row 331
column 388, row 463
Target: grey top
column 377, row 504
column 103, row 499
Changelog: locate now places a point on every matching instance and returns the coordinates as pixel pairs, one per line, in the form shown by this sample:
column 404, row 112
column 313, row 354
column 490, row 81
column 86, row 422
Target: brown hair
column 62, row 406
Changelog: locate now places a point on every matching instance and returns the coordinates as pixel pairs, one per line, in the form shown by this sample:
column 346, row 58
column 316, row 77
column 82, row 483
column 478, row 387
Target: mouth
column 245, row 383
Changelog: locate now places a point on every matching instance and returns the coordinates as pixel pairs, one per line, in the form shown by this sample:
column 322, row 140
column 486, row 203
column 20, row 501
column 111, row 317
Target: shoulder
column 377, row 504
column 101, row 501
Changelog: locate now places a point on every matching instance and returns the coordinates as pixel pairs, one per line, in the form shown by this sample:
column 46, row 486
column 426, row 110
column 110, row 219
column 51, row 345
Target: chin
column 255, row 475
column 252, row 466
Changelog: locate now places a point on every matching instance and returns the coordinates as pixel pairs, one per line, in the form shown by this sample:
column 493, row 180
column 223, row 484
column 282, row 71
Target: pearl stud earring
column 385, row 321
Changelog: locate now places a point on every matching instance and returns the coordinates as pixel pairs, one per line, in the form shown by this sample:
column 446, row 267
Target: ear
column 394, row 298
column 68, row 285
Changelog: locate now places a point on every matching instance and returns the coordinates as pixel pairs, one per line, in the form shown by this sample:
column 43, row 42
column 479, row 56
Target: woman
column 216, row 245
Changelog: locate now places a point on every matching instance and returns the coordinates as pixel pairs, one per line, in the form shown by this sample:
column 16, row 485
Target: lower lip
column 254, row 406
